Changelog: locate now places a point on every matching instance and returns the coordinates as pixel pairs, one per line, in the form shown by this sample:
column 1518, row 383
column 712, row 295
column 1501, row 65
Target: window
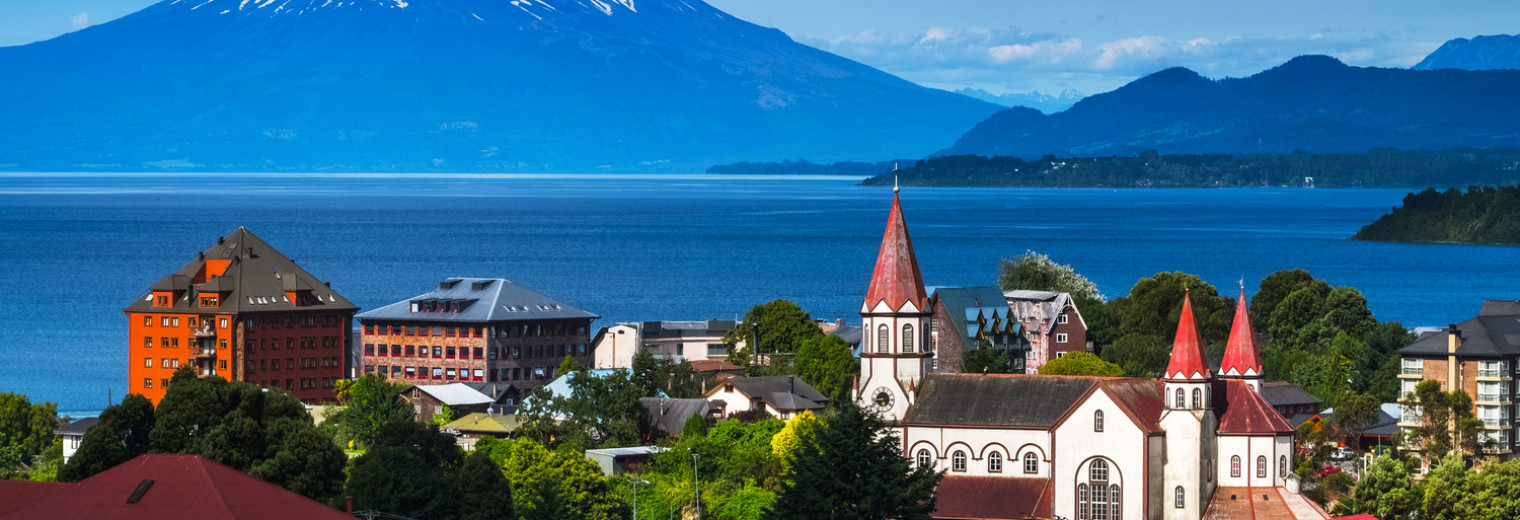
column 923, row 458
column 1261, row 466
column 1083, row 502
column 958, row 461
column 1492, row 368
column 1098, row 472
column 883, row 338
column 1181, row 402
column 995, row 462
column 907, row 341
column 1062, row 319
column 1282, row 466
column 1098, row 421
column 1235, row 466
column 147, row 362
column 1411, row 367
column 147, row 321
column 1061, row 337
column 1197, row 398
column 1099, row 502
column 147, row 382
column 1177, row 498
column 148, row 341
column 1113, row 492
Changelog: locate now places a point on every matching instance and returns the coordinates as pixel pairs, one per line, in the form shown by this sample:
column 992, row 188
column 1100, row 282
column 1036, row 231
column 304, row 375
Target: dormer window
column 416, row 306
column 208, row 301
column 161, row 300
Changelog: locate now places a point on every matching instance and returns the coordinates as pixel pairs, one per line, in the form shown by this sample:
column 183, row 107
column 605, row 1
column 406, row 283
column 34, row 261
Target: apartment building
column 245, row 312
column 474, row 330
column 1478, row 356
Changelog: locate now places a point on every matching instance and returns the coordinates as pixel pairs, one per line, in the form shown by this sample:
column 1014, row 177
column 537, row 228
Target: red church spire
column 896, row 279
column 1187, row 351
column 1240, row 357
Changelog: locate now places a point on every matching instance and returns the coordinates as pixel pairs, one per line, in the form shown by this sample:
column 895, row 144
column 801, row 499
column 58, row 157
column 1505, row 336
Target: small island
column 1477, row 216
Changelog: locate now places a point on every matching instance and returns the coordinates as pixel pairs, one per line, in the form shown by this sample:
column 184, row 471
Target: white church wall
column 978, row 444
column 1122, row 444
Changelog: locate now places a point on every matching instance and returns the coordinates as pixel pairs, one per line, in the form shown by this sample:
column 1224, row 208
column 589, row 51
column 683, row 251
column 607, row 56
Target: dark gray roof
column 77, row 427
column 849, row 333
column 669, row 416
column 499, row 392
column 1283, row 393
column 257, row 279
column 1495, row 332
column 1032, row 401
column 778, row 391
column 973, row 309
column 477, row 300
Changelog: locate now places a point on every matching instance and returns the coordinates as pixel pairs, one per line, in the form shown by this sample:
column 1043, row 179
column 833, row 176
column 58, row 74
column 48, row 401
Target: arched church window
column 1098, row 421
column 1098, row 472
column 883, row 339
column 1261, row 466
column 1181, row 399
column 923, row 458
column 1235, row 466
column 995, row 462
column 1084, row 502
column 1113, row 493
column 1197, row 398
column 907, row 344
column 1282, row 466
column 1099, row 501
column 1031, row 463
column 1177, row 498
column 958, row 461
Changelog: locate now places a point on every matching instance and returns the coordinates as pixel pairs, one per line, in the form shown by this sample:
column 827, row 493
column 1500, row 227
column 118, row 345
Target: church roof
column 1144, row 399
column 992, row 497
column 1187, row 351
column 1245, row 412
column 1240, row 356
column 896, row 279
column 996, row 400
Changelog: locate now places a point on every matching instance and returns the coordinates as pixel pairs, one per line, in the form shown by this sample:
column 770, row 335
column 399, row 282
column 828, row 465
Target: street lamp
column 695, row 484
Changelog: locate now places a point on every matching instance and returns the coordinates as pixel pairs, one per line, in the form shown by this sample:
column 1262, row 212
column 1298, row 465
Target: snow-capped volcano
column 453, row 85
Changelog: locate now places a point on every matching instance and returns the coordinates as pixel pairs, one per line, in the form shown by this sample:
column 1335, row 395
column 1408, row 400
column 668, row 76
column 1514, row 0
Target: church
column 1192, row 444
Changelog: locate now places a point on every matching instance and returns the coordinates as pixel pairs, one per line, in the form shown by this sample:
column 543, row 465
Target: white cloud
column 934, row 34
column 1049, row 51
column 80, row 21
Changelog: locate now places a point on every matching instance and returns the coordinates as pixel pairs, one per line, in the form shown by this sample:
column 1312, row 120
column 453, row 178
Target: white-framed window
column 1062, row 319
column 995, row 462
column 1083, row 502
column 1411, row 366
column 1181, row 399
column 958, row 461
column 1282, row 466
column 907, row 341
column 883, row 339
column 1178, row 497
column 1406, row 387
column 1098, row 472
column 1489, row 391
column 1061, row 337
column 1235, row 466
column 1261, row 466
column 1198, row 398
column 1492, row 368
column 923, row 458
column 1113, row 491
column 1098, row 421
column 1031, row 463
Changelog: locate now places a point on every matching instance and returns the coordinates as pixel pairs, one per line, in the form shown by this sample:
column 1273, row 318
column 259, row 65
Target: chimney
column 1453, row 339
column 791, row 384
column 348, row 504
column 839, row 323
column 219, row 240
column 200, row 256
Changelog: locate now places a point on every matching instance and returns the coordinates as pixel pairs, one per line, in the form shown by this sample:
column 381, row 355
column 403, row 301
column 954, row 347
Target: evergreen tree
column 409, row 470
column 484, row 493
column 853, row 470
column 987, row 360
column 121, row 434
column 826, row 364
column 1081, row 364
column 781, row 326
column 373, row 403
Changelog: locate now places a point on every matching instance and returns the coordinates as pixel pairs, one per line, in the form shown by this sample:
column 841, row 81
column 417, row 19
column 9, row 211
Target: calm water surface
column 75, row 249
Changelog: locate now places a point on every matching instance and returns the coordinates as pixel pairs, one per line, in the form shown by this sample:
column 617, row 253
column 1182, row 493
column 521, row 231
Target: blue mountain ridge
column 1496, row 52
column 1311, row 103
column 451, row 85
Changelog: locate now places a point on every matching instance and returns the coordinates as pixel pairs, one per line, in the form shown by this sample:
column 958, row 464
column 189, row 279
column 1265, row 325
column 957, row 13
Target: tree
column 781, row 326
column 568, row 365
column 1447, row 426
column 1385, row 491
column 799, row 430
column 121, row 434
column 1081, row 364
column 1354, row 414
column 1491, row 494
column 409, row 470
column 1154, row 305
column 305, row 461
column 1277, row 286
column 1036, row 272
column 373, row 403
column 553, row 485
column 484, row 493
column 1140, row 355
column 26, row 430
column 826, row 364
column 600, row 411
column 984, row 359
column 854, row 470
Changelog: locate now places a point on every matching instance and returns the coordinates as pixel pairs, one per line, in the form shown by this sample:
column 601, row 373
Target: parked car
column 1342, row 453
column 1326, row 470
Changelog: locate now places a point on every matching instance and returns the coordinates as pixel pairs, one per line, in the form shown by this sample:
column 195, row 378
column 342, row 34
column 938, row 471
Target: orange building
column 245, row 312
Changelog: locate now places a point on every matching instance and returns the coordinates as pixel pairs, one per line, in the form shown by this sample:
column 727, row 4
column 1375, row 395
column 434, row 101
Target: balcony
column 1489, row 398
column 204, row 332
column 1412, row 371
column 1492, row 422
column 204, row 352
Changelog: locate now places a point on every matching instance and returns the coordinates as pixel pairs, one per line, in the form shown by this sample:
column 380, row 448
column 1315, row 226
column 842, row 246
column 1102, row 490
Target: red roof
column 16, row 494
column 992, row 497
column 1240, row 357
column 1143, row 399
column 896, row 279
column 182, row 486
column 1187, row 351
column 1246, row 412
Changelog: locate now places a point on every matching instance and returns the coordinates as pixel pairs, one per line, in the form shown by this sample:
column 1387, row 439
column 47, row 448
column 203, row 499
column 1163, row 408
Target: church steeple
column 1187, row 362
column 896, row 280
column 1241, row 360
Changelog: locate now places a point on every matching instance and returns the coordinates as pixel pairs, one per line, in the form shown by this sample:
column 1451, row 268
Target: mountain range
column 1311, row 103
column 1496, row 52
column 1043, row 102
column 451, row 85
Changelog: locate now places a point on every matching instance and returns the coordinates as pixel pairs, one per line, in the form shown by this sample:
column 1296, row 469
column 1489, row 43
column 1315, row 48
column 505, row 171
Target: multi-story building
column 474, row 329
column 966, row 317
column 245, row 312
column 1478, row 356
column 686, row 340
column 1052, row 325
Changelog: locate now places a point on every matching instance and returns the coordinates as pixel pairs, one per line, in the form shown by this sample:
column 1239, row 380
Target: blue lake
column 75, row 249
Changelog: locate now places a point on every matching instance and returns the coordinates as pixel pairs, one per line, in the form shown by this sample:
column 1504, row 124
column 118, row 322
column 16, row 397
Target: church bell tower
column 894, row 342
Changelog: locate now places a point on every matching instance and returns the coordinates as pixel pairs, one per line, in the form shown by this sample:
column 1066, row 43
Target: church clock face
column 882, row 398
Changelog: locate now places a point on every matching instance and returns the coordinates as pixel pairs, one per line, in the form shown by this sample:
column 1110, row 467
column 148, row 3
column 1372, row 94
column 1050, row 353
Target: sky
column 1018, row 46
